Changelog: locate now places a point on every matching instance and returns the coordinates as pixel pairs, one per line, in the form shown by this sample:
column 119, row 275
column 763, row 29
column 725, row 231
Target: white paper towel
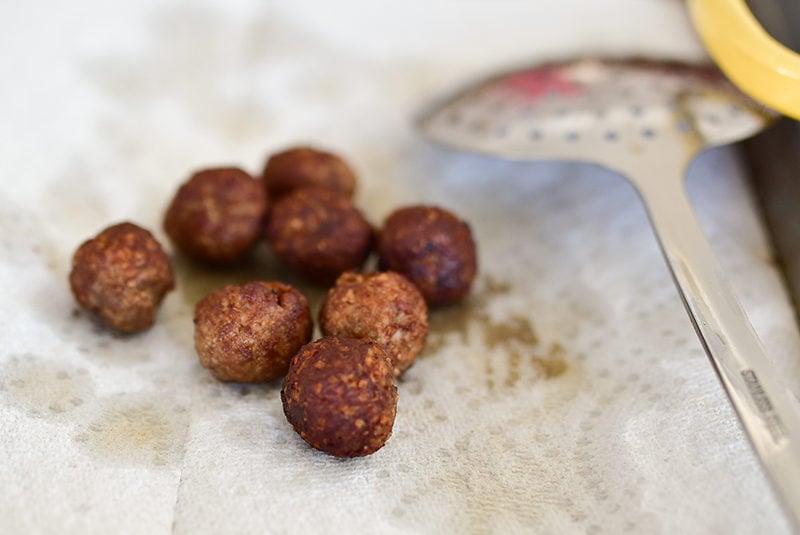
column 568, row 395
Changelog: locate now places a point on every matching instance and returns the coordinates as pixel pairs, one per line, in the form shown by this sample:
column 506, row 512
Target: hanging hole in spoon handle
column 766, row 408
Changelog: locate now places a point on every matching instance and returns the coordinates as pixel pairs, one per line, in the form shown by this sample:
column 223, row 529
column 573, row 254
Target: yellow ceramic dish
column 762, row 67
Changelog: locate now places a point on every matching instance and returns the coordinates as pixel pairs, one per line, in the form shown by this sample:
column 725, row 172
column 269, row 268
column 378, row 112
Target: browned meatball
column 121, row 275
column 249, row 332
column 303, row 167
column 340, row 396
column 384, row 307
column 318, row 233
column 217, row 215
column 433, row 248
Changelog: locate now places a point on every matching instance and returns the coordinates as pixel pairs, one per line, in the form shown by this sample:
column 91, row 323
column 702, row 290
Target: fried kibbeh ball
column 307, row 167
column 383, row 307
column 433, row 248
column 249, row 332
column 340, row 396
column 318, row 233
column 216, row 216
column 121, row 276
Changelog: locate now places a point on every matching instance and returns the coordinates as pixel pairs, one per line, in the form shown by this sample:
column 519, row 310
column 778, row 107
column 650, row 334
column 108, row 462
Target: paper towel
column 567, row 395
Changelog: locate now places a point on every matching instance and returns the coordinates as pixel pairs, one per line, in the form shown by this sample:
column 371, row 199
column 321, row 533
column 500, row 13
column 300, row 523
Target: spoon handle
column 767, row 409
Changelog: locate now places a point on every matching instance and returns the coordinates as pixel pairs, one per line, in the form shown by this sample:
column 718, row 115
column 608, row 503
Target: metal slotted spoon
column 646, row 121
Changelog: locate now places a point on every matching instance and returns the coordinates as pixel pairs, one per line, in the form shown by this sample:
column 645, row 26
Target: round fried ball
column 318, row 233
column 303, row 167
column 433, row 248
column 249, row 332
column 340, row 396
column 384, row 307
column 217, row 215
column 121, row 275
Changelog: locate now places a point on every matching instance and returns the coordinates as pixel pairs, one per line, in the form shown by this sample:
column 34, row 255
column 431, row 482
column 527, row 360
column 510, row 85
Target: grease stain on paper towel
column 128, row 428
column 514, row 337
column 136, row 429
column 44, row 388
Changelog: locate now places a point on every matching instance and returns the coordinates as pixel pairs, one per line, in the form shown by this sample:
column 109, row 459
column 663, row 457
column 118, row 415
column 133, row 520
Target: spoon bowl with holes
column 646, row 121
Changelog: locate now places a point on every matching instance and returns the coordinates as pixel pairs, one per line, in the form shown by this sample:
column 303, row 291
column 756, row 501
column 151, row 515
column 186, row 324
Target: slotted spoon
column 646, row 121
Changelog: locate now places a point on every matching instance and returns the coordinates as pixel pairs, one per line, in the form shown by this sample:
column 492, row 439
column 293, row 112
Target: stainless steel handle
column 767, row 409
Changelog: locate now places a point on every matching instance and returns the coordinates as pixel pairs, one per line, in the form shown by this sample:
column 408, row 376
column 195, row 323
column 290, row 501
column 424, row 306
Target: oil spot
column 509, row 342
column 43, row 388
column 515, row 329
column 510, row 337
column 553, row 365
column 550, row 367
column 489, row 372
column 135, row 429
column 456, row 322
